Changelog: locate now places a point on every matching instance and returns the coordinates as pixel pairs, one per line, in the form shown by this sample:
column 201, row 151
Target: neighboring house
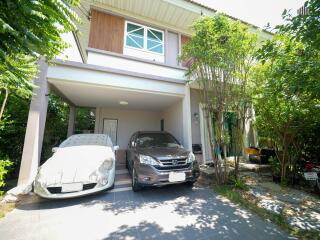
column 303, row 11
column 130, row 75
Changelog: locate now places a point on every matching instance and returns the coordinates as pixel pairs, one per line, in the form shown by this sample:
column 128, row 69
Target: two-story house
column 130, row 75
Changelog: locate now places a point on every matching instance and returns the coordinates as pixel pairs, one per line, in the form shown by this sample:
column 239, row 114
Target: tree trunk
column 283, row 160
column 221, row 146
column 4, row 102
column 212, row 147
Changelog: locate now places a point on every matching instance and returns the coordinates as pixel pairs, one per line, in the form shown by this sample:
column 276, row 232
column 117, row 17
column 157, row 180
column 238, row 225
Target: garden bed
column 295, row 211
column 5, row 208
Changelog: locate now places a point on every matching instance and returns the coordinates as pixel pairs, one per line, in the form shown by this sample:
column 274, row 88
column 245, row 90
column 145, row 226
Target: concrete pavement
column 173, row 212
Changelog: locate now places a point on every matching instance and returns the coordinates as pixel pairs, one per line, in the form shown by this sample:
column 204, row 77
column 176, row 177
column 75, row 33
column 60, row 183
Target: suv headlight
column 148, row 160
column 191, row 158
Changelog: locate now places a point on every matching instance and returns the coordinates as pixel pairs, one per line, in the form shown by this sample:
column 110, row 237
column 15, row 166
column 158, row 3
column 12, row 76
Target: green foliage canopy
column 305, row 27
column 28, row 30
column 288, row 97
column 34, row 27
column 221, row 52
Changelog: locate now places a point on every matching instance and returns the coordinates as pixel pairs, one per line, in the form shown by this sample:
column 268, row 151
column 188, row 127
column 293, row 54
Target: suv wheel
column 190, row 183
column 135, row 185
column 127, row 165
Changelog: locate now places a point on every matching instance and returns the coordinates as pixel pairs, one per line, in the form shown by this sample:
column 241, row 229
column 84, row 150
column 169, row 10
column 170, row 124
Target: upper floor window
column 145, row 38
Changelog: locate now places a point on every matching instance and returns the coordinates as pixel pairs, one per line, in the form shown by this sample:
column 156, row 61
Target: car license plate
column 177, row 176
column 310, row 175
column 72, row 187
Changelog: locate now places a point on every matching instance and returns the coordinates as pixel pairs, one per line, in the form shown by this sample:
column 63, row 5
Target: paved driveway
column 172, row 212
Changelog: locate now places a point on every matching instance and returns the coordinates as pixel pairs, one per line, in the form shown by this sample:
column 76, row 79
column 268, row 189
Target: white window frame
column 145, row 38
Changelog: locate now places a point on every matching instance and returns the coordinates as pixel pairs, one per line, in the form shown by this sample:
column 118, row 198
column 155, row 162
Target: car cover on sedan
column 75, row 164
column 82, row 164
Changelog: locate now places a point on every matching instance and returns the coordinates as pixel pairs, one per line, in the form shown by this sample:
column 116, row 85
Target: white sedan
column 81, row 165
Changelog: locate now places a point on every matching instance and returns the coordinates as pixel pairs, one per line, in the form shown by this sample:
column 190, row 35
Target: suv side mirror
column 115, row 148
column 54, row 149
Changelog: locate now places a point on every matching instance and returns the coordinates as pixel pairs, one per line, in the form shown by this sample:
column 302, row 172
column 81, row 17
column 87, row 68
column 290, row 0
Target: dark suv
column 157, row 158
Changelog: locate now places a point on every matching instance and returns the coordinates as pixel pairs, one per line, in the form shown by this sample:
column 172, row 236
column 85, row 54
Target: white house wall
column 120, row 62
column 129, row 121
column 173, row 118
column 95, row 75
column 195, row 121
column 71, row 53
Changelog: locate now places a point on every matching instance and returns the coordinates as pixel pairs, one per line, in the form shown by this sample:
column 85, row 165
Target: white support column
column 71, row 122
column 35, row 128
column 205, row 141
column 187, row 132
column 97, row 119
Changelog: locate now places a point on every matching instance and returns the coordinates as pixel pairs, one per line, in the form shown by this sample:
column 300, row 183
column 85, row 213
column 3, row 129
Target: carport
column 124, row 103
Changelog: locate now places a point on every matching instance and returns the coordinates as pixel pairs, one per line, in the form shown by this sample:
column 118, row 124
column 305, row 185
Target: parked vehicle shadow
column 171, row 212
column 205, row 216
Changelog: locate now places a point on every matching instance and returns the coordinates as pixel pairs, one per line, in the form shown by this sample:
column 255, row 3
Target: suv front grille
column 177, row 167
column 173, row 164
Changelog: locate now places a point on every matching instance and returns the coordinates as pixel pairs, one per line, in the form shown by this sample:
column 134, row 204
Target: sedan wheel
column 135, row 185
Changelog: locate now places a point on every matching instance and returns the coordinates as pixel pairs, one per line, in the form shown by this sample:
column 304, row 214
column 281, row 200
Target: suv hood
column 164, row 153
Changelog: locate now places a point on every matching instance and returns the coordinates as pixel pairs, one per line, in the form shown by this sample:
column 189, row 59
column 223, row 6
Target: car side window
column 131, row 142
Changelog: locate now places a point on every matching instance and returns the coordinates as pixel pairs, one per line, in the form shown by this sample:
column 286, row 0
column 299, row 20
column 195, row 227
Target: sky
column 256, row 12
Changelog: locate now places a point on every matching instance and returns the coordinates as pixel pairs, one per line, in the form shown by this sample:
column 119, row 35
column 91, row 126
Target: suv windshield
column 146, row 140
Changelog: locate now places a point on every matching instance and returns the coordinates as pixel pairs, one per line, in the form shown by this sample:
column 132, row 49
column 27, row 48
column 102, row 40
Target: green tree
column 222, row 53
column 34, row 28
column 286, row 103
column 305, row 27
column 56, row 125
column 30, row 30
column 16, row 80
column 4, row 168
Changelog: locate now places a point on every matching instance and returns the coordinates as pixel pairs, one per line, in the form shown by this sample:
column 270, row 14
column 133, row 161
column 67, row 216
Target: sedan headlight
column 191, row 158
column 148, row 160
column 100, row 178
column 106, row 166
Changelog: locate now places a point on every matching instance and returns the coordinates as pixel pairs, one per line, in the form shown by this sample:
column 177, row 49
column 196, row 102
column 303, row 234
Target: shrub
column 5, row 165
column 239, row 183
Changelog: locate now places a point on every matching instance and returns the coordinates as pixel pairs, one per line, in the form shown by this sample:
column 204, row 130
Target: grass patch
column 5, row 208
column 241, row 197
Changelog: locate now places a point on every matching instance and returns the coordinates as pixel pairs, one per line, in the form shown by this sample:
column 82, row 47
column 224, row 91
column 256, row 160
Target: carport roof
column 88, row 85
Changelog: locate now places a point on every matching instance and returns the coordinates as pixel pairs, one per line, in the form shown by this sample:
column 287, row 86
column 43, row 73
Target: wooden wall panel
column 184, row 40
column 106, row 32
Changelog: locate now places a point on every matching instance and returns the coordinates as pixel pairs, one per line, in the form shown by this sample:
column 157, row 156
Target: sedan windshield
column 146, row 140
column 87, row 139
